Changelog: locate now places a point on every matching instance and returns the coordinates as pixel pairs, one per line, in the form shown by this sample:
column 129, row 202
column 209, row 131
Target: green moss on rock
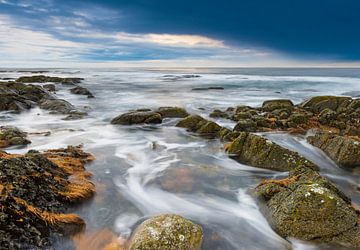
column 167, row 232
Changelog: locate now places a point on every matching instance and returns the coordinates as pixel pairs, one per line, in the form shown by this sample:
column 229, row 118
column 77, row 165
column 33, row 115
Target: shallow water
column 145, row 170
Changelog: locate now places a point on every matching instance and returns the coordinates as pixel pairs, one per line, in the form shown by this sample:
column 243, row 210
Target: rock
column 10, row 136
column 81, row 91
column 36, row 189
column 246, row 125
column 43, row 79
column 308, row 207
column 352, row 93
column 326, row 116
column 210, row 129
column 49, row 87
column 341, row 149
column 272, row 105
column 192, row 123
column 137, row 117
column 296, row 119
column 319, row 103
column 75, row 115
column 167, row 232
column 242, row 115
column 219, row 114
column 57, row 106
column 259, row 152
column 172, row 112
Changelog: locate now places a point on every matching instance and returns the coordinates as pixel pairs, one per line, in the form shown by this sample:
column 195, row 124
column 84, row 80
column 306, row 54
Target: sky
column 186, row 33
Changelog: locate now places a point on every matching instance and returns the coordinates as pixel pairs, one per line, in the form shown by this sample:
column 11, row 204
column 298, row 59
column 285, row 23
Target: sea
column 144, row 170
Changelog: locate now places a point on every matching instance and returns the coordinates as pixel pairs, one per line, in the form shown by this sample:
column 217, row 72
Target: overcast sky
column 180, row 33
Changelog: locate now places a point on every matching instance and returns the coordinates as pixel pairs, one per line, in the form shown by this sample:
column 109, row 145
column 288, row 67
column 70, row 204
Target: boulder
column 78, row 90
column 192, row 123
column 272, row 105
column 319, row 103
column 167, row 232
column 172, row 112
column 57, row 106
column 306, row 206
column 10, row 136
column 246, row 125
column 260, row 152
column 345, row 151
column 327, row 115
column 138, row 117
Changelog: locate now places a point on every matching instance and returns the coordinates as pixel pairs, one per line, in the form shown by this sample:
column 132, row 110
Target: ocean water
column 182, row 173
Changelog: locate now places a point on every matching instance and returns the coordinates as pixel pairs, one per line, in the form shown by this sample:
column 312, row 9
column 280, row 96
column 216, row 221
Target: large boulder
column 167, row 232
column 172, row 112
column 10, row 136
column 272, row 105
column 138, row 117
column 203, row 127
column 319, row 103
column 308, row 207
column 345, row 151
column 260, row 152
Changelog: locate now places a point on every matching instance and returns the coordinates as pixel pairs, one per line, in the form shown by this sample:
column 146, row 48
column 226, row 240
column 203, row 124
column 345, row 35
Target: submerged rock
column 345, row 151
column 78, row 90
column 10, row 136
column 207, row 88
column 43, row 79
column 308, row 207
column 36, row 189
column 138, row 117
column 260, row 152
column 172, row 112
column 167, row 232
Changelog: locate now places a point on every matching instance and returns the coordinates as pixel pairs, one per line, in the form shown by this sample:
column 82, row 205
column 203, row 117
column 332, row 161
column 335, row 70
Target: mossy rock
column 319, row 103
column 307, row 206
column 260, row 152
column 219, row 114
column 343, row 150
column 192, row 122
column 327, row 115
column 138, row 117
column 246, row 125
column 167, row 232
column 272, row 105
column 78, row 90
column 209, row 129
column 10, row 136
column 297, row 119
column 172, row 112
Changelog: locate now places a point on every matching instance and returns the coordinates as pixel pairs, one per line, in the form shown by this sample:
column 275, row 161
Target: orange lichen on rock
column 283, row 182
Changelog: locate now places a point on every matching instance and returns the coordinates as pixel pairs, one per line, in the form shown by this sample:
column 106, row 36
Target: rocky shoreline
column 304, row 206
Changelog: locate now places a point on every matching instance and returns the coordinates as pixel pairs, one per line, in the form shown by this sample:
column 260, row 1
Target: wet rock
column 10, row 136
column 192, row 123
column 172, row 112
column 78, row 90
column 167, row 232
column 36, row 189
column 352, row 93
column 319, row 103
column 296, row 119
column 272, row 105
column 343, row 150
column 138, row 117
column 75, row 115
column 57, row 106
column 219, row 114
column 260, row 152
column 50, row 87
column 246, row 125
column 43, row 79
column 308, row 207
column 326, row 116
column 210, row 129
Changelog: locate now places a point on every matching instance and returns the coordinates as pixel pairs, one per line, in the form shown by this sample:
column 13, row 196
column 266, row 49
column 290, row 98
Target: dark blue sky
column 298, row 29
